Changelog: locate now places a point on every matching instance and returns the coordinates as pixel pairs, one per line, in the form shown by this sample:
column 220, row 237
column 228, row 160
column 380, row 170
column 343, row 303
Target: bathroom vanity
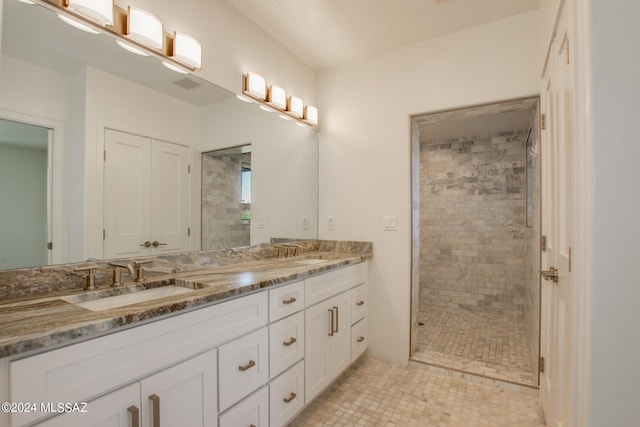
column 250, row 343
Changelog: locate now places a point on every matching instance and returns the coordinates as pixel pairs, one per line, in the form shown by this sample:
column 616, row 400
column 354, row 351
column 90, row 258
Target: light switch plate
column 391, row 223
column 260, row 222
column 305, row 222
column 331, row 223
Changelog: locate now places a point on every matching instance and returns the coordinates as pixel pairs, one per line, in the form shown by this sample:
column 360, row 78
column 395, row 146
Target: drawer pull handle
column 155, row 403
column 332, row 322
column 249, row 365
column 290, row 342
column 360, row 303
column 290, row 398
column 360, row 339
column 337, row 320
column 289, row 301
column 135, row 415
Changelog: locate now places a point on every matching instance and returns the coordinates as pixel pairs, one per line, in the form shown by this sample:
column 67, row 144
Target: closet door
column 169, row 197
column 127, row 195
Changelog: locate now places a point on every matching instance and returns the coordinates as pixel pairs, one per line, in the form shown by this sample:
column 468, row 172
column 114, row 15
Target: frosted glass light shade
column 174, row 68
column 144, row 28
column 187, row 50
column 131, row 49
column 311, row 114
column 277, row 96
column 255, row 85
column 295, row 106
column 100, row 11
column 77, row 24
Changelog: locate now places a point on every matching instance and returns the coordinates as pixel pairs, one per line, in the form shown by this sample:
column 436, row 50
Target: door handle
column 134, row 412
column 155, row 244
column 337, row 320
column 155, row 412
column 551, row 274
column 146, row 244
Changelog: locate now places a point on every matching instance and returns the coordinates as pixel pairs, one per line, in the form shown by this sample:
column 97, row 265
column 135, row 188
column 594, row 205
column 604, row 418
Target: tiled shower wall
column 221, row 207
column 472, row 226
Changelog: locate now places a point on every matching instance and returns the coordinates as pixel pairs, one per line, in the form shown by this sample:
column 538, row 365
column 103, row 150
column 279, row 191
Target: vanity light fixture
column 274, row 98
column 175, row 68
column 255, row 86
column 100, row 11
column 295, row 106
column 277, row 96
column 76, row 24
column 131, row 48
column 144, row 28
column 187, row 50
column 311, row 114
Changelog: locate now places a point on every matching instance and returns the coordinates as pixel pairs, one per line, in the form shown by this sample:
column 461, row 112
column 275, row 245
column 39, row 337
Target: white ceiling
column 328, row 33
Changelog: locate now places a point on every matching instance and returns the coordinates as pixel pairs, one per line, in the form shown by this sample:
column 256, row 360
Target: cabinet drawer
column 286, row 395
column 359, row 339
column 253, row 411
column 324, row 286
column 359, row 303
column 243, row 366
column 286, row 343
column 286, row 300
column 82, row 371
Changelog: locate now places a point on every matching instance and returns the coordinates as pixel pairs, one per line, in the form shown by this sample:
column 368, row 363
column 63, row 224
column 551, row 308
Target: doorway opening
column 476, row 237
column 226, row 198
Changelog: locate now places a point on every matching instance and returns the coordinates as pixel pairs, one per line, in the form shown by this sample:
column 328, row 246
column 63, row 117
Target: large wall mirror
column 102, row 150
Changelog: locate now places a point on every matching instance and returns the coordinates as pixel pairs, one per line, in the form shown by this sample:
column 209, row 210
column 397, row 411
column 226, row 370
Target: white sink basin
column 107, row 303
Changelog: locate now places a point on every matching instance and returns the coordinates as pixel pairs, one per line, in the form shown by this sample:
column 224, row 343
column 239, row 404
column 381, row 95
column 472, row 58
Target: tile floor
column 480, row 342
column 373, row 392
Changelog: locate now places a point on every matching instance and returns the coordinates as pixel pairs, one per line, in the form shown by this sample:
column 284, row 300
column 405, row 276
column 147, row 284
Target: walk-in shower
column 476, row 233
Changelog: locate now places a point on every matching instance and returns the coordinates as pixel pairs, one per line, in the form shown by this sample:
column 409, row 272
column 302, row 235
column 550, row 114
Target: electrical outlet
column 331, row 223
column 390, row 223
column 305, row 222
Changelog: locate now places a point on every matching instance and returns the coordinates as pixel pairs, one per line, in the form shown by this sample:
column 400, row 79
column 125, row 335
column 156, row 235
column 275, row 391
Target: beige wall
column 365, row 144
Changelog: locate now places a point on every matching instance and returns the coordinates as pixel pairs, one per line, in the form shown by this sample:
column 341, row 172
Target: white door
column 183, row 395
column 120, row 408
column 557, row 341
column 127, row 195
column 170, row 197
column 146, row 196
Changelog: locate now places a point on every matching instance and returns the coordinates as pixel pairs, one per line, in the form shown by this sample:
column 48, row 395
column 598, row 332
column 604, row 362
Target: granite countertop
column 28, row 324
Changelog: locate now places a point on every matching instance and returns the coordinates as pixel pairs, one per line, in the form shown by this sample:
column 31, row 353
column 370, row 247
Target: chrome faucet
column 117, row 272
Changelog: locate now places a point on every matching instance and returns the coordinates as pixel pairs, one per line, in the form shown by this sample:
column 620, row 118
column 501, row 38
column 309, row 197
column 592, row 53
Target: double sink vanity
column 244, row 337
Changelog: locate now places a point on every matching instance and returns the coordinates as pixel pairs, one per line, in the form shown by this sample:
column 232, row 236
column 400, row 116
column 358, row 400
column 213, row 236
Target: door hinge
column 50, row 245
column 541, row 364
column 569, row 259
column 568, row 58
column 188, row 231
column 543, row 121
column 189, row 169
column 105, row 155
column 543, row 243
column 104, row 234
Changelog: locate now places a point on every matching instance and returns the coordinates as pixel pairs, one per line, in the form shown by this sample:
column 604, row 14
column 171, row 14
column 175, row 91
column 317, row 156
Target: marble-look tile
column 374, row 392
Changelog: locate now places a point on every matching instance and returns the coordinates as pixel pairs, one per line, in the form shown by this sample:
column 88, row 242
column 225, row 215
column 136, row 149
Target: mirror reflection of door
column 226, row 198
column 24, row 210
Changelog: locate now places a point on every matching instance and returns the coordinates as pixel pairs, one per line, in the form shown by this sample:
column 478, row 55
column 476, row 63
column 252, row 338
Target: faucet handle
column 139, row 271
column 91, row 278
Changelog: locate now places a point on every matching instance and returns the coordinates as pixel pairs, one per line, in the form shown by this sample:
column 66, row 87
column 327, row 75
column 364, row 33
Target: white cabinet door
column 116, row 409
column 182, row 395
column 327, row 343
column 146, row 196
column 169, row 197
column 127, row 195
